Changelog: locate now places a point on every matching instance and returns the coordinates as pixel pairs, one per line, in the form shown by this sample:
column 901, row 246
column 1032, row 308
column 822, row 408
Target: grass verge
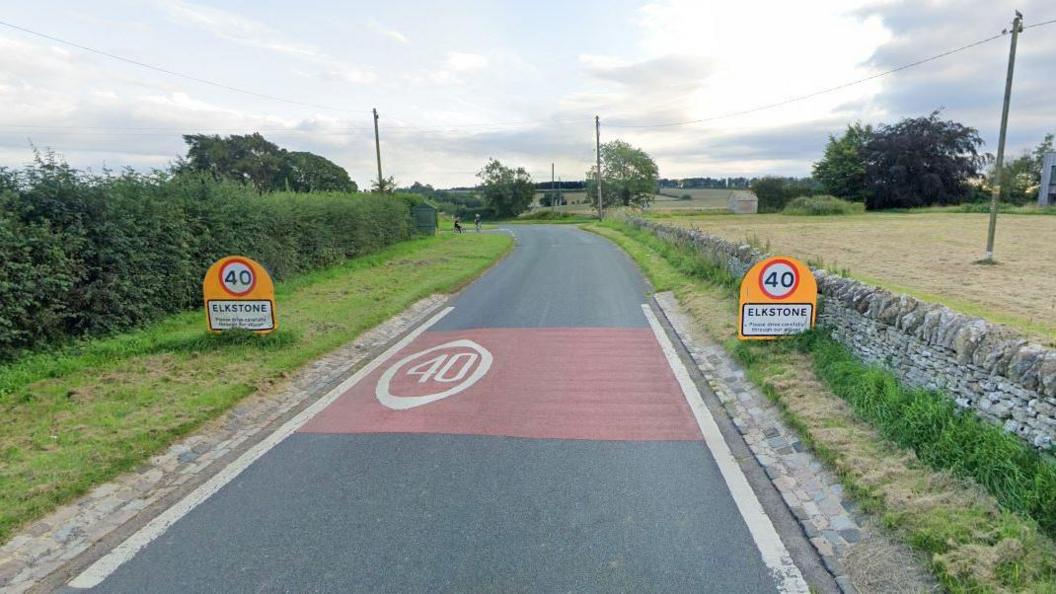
column 904, row 455
column 78, row 417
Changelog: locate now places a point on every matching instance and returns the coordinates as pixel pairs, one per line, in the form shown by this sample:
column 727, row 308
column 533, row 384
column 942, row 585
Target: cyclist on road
column 476, row 221
column 458, row 225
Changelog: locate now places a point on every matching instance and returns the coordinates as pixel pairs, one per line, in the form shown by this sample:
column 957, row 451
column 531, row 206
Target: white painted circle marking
column 778, row 279
column 443, row 368
column 237, row 277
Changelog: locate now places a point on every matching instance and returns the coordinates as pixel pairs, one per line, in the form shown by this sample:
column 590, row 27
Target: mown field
column 928, row 255
column 702, row 199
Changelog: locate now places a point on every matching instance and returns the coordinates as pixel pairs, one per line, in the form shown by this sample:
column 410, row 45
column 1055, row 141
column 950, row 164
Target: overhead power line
column 1041, row 24
column 827, row 90
column 482, row 126
column 175, row 73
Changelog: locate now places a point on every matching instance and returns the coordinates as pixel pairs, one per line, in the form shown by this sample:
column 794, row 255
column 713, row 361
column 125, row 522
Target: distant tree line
column 687, row 183
column 463, row 203
column 567, row 186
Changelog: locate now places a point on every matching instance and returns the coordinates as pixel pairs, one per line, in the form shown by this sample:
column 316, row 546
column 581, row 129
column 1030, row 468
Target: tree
column 420, row 189
column 309, row 172
column 1022, row 175
column 385, row 186
column 254, row 160
column 506, row 191
column 774, row 192
column 841, row 169
column 920, row 162
column 247, row 158
column 628, row 176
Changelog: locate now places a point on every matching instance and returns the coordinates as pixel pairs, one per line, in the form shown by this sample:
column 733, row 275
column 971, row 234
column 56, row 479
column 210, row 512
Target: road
column 535, row 436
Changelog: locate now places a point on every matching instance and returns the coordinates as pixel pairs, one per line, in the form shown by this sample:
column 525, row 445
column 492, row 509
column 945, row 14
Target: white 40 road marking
column 444, row 368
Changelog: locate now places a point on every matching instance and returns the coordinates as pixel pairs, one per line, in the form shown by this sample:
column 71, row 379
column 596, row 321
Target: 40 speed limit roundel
column 779, row 296
column 239, row 295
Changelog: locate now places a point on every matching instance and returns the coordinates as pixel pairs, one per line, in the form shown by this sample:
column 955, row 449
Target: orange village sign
column 778, row 297
column 239, row 295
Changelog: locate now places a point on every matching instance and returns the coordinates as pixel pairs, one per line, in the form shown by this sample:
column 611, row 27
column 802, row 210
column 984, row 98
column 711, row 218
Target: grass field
column 670, row 199
column 76, row 418
column 928, row 255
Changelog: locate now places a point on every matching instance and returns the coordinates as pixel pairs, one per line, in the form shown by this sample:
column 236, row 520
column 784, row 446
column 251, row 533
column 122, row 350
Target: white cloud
column 520, row 99
column 387, row 32
column 235, row 27
column 252, row 33
column 464, row 61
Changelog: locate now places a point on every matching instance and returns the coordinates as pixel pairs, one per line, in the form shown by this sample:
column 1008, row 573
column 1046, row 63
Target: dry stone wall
column 985, row 367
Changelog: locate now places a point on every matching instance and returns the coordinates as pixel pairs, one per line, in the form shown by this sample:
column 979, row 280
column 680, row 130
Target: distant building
column 1047, row 192
column 743, row 203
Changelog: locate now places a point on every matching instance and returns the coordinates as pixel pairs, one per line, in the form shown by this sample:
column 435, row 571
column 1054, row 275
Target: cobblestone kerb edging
column 988, row 368
column 831, row 522
column 55, row 540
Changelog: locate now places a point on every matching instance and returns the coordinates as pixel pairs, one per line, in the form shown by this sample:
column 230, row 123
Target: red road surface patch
column 559, row 383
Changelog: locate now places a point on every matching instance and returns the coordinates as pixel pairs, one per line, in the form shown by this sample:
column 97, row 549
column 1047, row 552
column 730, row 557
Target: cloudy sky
column 457, row 82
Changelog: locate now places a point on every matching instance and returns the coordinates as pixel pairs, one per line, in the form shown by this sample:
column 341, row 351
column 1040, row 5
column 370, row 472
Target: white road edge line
column 774, row 553
column 125, row 551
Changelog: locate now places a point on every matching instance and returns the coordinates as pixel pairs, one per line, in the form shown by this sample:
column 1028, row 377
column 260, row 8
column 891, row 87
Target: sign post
column 779, row 297
column 239, row 295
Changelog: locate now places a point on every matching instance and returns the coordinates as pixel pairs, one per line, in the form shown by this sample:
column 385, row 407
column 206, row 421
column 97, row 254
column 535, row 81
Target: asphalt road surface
column 534, row 438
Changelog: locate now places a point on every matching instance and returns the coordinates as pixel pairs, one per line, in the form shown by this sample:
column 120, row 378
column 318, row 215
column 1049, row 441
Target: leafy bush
column 686, row 197
column 822, row 205
column 775, row 192
column 92, row 254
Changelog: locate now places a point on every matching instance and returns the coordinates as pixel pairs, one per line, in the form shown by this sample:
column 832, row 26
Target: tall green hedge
column 84, row 254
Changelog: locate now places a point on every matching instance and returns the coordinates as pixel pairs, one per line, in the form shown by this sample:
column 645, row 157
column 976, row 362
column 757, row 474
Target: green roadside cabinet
column 425, row 219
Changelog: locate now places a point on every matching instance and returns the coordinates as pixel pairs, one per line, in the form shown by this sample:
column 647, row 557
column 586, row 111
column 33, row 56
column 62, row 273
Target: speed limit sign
column 778, row 279
column 239, row 295
column 237, row 277
column 779, row 296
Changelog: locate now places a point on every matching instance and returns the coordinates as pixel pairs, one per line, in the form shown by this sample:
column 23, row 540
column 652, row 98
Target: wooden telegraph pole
column 597, row 148
column 377, row 149
column 1017, row 27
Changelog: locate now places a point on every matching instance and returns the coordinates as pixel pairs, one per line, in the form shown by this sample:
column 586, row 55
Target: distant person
column 476, row 221
column 458, row 225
